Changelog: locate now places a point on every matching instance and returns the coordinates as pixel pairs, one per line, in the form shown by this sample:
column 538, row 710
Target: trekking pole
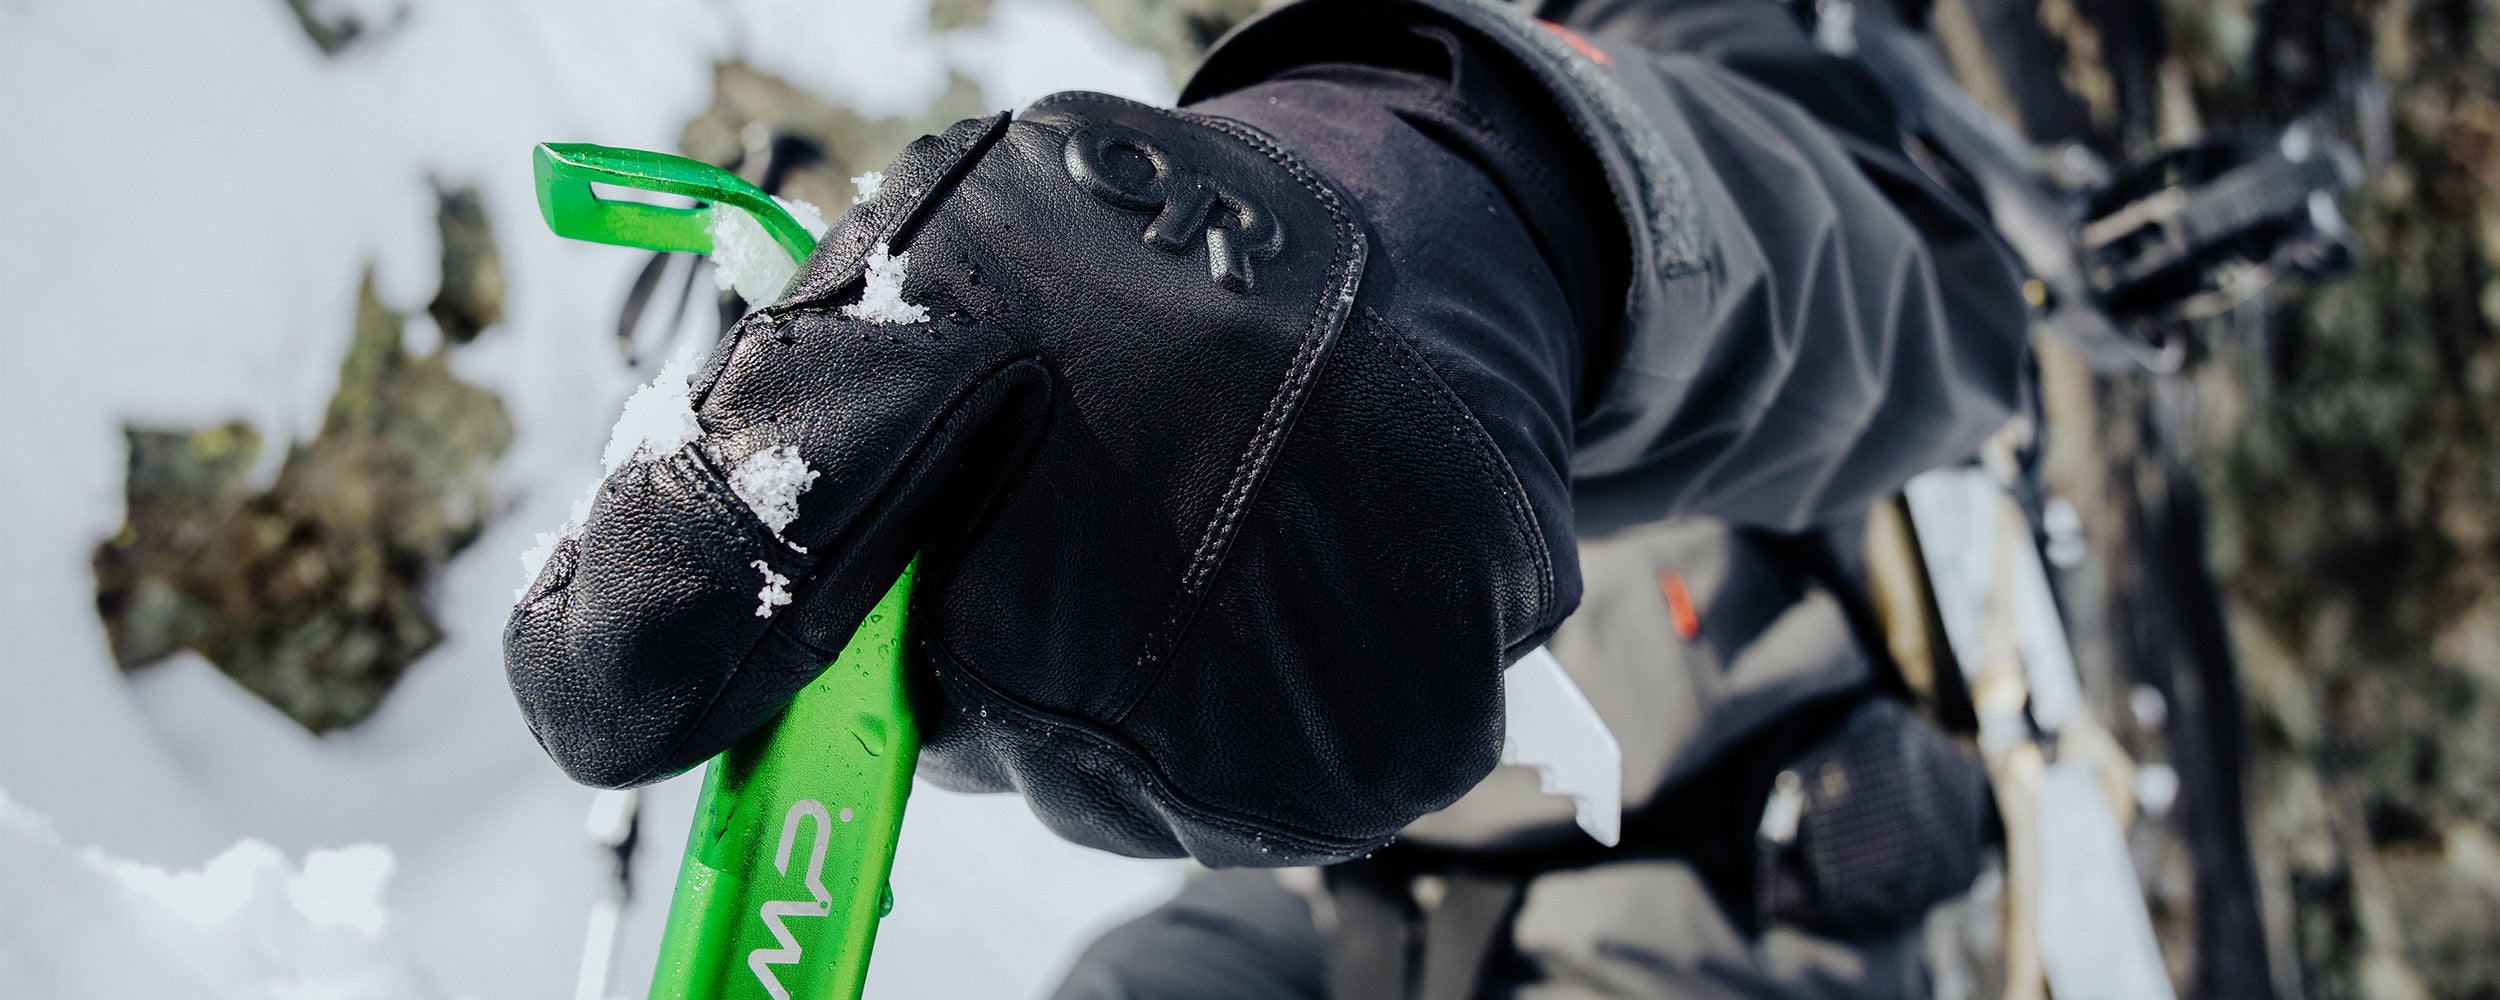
column 2076, row 924
column 784, row 877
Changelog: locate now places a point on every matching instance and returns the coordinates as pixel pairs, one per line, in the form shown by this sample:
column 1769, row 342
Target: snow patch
column 343, row 887
column 745, row 257
column 249, row 923
column 770, row 482
column 334, row 888
column 495, row 874
column 805, row 212
column 776, row 590
column 882, row 301
column 534, row 559
column 658, row 420
column 868, row 184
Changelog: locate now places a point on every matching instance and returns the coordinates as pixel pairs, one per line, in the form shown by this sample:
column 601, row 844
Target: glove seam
column 701, row 472
column 1489, row 458
column 884, row 224
column 1417, row 369
column 711, row 495
column 1348, row 252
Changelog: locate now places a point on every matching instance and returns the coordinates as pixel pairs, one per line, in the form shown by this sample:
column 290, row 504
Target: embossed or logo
column 761, row 960
column 1126, row 168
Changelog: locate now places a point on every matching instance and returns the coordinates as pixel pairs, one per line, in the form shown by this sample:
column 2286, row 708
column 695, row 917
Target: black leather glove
column 1238, row 484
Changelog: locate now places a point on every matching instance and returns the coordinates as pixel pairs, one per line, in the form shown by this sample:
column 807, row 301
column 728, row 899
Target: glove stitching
column 1489, row 458
column 714, row 493
column 1284, row 405
column 698, row 474
column 1344, row 271
column 1465, row 430
column 882, row 221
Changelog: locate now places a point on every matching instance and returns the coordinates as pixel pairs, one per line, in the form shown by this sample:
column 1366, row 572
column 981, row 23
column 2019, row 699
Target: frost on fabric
column 868, row 184
column 770, row 482
column 776, row 590
column 658, row 419
column 882, row 301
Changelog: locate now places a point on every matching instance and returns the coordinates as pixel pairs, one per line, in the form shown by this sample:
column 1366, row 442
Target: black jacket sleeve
column 1809, row 319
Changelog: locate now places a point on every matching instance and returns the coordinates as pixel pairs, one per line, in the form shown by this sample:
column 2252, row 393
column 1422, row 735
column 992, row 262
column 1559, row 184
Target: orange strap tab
column 1578, row 44
column 1679, row 604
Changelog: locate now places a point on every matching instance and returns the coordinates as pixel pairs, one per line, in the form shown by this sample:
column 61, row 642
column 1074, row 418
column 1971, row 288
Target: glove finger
column 709, row 583
column 746, row 527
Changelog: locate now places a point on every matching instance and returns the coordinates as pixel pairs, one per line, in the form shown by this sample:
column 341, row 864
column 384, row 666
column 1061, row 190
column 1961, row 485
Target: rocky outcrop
column 311, row 593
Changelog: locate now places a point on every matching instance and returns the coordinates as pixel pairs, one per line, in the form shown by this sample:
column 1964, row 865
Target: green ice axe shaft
column 785, row 871
column 784, row 877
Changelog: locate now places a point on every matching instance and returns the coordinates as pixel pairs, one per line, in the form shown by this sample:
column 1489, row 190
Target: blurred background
column 292, row 373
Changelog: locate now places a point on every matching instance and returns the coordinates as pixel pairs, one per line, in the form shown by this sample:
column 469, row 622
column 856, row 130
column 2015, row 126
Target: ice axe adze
column 784, row 878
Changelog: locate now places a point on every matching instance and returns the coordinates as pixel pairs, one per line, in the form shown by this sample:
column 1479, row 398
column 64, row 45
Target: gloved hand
column 1238, row 484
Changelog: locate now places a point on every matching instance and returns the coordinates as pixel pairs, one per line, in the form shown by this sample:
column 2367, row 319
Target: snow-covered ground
column 188, row 192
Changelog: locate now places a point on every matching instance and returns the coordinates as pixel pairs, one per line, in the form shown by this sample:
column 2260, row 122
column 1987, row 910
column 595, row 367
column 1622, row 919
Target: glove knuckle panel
column 1366, row 721
column 1255, row 534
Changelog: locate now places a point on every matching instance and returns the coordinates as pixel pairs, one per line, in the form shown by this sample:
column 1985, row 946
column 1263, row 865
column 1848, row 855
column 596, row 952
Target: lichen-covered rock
column 309, row 593
column 471, row 298
column 949, row 15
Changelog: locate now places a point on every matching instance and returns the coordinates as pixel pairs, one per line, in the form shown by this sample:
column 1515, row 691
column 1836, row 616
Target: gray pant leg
column 1235, row 934
column 1625, row 931
column 1648, row 930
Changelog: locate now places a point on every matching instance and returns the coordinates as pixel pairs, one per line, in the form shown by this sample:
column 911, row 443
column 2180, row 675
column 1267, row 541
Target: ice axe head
column 566, row 171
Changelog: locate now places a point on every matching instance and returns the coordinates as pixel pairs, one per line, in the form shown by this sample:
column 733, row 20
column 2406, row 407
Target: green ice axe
column 785, row 871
